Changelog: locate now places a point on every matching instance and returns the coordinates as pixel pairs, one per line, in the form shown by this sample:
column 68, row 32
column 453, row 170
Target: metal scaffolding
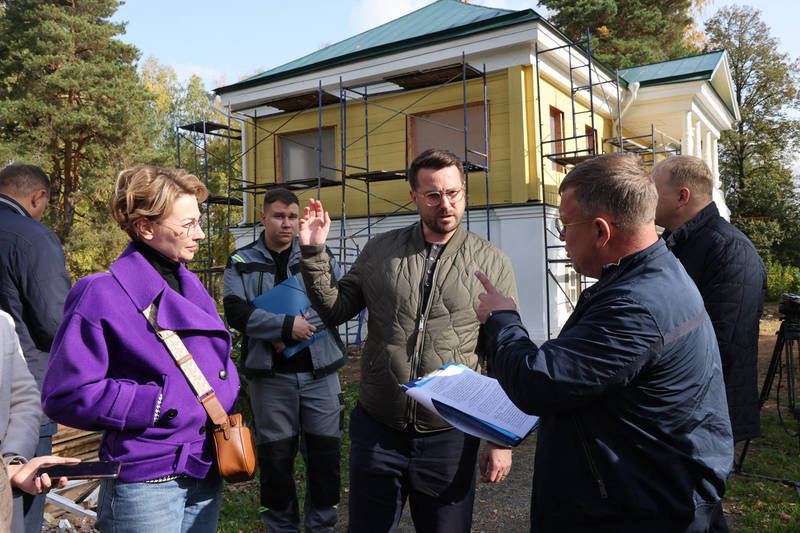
column 569, row 150
column 244, row 190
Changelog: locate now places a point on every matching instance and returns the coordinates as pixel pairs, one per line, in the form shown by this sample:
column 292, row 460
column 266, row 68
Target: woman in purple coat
column 109, row 371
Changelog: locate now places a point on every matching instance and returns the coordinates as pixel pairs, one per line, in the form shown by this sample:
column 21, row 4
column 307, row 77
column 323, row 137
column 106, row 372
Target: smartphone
column 88, row 470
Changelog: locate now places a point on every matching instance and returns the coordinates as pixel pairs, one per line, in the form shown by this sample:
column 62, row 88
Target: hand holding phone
column 26, row 477
column 87, row 470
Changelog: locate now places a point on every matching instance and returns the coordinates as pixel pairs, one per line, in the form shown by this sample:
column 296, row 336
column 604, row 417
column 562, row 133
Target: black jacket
column 732, row 280
column 633, row 432
column 33, row 282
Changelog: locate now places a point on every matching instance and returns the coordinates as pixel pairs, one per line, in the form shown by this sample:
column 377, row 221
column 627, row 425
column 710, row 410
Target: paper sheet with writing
column 473, row 403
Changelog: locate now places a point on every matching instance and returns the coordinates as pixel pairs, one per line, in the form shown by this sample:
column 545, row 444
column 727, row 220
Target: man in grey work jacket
column 418, row 286
column 289, row 395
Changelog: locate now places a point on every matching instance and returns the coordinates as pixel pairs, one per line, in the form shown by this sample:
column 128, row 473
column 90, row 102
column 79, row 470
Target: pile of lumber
column 71, row 442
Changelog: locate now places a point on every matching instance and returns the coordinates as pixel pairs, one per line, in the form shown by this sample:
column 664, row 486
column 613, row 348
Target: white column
column 707, row 150
column 718, row 196
column 698, row 140
column 687, row 143
column 715, row 160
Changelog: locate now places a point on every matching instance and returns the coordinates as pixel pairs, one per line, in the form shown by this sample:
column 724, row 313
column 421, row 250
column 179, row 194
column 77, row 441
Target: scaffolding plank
column 210, row 128
column 628, row 145
column 293, row 185
column 379, row 175
column 567, row 160
column 223, row 200
column 301, row 101
column 435, row 76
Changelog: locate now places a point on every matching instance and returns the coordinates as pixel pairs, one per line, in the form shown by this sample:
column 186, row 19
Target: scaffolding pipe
column 227, row 113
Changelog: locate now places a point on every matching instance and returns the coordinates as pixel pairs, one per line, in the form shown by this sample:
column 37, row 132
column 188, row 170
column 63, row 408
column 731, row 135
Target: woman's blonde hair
column 145, row 191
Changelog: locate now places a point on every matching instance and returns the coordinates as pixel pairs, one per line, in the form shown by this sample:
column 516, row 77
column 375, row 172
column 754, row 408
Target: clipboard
column 289, row 298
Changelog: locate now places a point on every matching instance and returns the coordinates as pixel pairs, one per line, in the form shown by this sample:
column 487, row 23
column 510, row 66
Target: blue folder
column 289, row 298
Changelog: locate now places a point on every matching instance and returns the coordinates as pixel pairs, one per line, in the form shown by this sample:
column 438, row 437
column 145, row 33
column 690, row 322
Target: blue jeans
column 183, row 505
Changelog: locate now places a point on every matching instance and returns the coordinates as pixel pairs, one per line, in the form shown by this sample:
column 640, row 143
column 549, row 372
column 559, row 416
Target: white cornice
column 497, row 49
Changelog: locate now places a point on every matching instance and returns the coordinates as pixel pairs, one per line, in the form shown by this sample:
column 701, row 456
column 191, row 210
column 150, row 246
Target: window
column 297, row 157
column 444, row 129
column 591, row 138
column 556, row 135
column 573, row 284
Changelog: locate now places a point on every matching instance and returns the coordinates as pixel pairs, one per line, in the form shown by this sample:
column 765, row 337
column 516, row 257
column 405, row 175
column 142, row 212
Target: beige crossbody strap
column 188, row 366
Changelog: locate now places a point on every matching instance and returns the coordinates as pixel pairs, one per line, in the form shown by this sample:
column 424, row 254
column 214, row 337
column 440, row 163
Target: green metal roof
column 699, row 67
column 441, row 20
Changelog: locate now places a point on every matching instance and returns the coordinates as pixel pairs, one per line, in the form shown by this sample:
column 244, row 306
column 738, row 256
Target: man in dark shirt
column 293, row 393
column 33, row 285
column 729, row 273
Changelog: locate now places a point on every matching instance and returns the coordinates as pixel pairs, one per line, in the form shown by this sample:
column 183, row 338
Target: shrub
column 781, row 279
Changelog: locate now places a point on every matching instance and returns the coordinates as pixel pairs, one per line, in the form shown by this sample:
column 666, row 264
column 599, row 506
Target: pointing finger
column 485, row 282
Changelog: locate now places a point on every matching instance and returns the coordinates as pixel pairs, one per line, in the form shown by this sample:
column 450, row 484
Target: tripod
column 783, row 360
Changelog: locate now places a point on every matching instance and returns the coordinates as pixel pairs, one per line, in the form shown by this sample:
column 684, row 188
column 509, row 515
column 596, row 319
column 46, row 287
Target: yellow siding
column 514, row 144
column 552, row 95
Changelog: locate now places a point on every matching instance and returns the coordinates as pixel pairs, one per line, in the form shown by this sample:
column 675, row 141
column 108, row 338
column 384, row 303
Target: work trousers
column 434, row 471
column 287, row 407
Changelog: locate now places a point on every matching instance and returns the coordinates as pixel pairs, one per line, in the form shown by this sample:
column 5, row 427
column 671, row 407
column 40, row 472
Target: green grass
column 240, row 502
column 762, row 506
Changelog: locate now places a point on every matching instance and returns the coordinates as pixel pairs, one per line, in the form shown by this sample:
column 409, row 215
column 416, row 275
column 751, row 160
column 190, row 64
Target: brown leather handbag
column 234, row 450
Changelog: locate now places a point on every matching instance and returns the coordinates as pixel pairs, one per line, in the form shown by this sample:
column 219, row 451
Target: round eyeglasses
column 434, row 198
column 188, row 228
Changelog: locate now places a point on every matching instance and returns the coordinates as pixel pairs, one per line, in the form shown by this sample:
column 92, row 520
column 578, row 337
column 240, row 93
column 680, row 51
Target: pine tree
column 70, row 98
column 629, row 33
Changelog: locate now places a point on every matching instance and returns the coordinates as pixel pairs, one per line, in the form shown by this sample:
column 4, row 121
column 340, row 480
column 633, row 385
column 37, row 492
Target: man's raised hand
column 315, row 224
column 491, row 300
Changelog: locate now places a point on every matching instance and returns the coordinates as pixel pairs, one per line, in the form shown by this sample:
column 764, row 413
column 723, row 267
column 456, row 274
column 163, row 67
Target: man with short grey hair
column 634, row 432
column 728, row 271
column 33, row 286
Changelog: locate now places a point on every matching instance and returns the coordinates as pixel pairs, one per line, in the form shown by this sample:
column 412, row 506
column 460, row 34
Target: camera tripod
column 784, row 362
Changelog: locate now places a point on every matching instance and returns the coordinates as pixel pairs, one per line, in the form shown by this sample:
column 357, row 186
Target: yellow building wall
column 514, row 144
column 554, row 95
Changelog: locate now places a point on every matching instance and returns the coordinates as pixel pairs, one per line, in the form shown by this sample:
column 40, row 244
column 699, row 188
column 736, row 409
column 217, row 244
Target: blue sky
column 222, row 42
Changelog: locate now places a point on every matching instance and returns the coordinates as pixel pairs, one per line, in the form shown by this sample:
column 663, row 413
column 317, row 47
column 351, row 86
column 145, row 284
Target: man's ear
column 603, row 230
column 42, row 195
column 684, row 196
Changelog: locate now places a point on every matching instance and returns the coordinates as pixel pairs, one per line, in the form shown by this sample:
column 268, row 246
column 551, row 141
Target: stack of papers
column 473, row 403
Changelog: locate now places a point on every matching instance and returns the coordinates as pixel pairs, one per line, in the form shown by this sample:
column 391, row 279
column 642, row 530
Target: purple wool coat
column 107, row 368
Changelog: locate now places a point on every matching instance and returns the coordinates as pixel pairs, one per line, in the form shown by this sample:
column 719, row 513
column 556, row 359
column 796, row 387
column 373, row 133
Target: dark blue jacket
column 33, row 282
column 634, row 432
column 732, row 280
